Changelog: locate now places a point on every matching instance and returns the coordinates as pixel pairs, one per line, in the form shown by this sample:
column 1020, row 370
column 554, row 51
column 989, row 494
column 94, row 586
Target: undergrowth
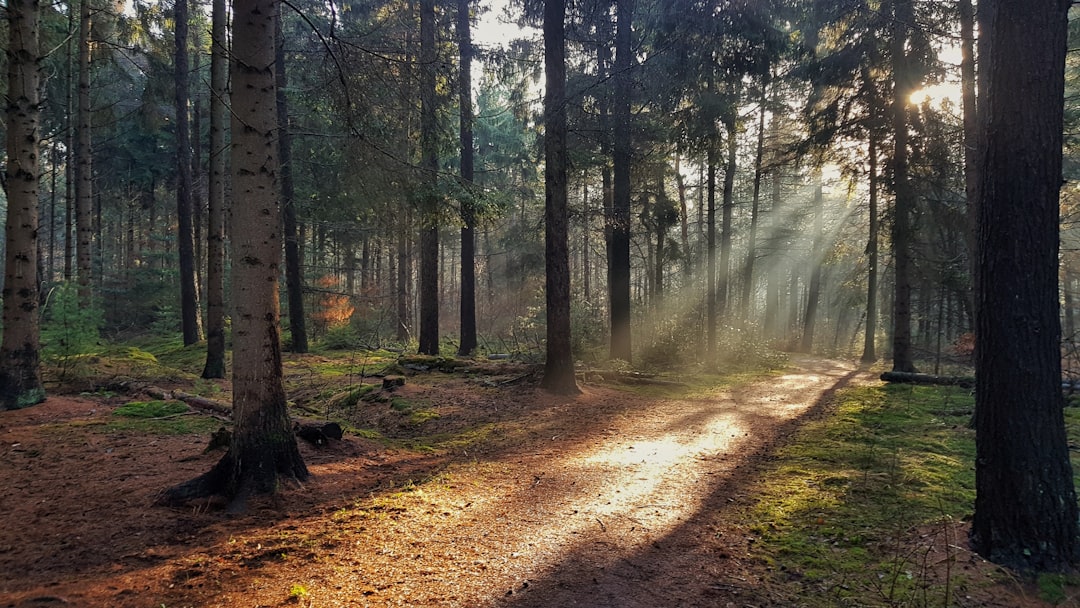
column 864, row 507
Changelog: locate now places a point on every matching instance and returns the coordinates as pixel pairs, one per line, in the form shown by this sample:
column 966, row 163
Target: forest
column 289, row 218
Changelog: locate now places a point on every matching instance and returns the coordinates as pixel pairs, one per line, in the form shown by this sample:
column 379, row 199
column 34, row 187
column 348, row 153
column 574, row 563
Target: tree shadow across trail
column 604, row 499
column 679, row 541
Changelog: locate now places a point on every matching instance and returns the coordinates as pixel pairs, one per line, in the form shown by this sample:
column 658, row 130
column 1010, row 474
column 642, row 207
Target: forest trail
column 605, row 499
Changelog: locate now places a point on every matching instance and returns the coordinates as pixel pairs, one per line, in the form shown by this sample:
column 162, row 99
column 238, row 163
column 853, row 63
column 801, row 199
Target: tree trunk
column 215, row 230
column 1025, row 504
column 468, row 212
column 869, row 354
column 621, row 345
column 726, row 226
column 903, row 358
column 559, row 365
column 20, row 370
column 971, row 130
column 189, row 305
column 294, row 277
column 429, row 166
column 751, row 242
column 710, row 263
column 84, row 195
column 817, row 256
column 263, row 451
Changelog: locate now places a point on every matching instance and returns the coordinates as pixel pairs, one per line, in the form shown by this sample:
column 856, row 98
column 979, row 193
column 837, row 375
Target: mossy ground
column 864, row 506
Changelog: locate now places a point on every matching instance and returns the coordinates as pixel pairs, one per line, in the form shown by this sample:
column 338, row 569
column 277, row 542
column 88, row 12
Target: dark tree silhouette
column 1025, row 505
column 559, row 366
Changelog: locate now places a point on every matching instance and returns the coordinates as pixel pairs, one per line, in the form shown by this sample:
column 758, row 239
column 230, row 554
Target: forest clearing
column 473, row 487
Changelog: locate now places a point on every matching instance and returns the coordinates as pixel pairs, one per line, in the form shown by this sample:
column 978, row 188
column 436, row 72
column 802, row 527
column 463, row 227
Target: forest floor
column 494, row 493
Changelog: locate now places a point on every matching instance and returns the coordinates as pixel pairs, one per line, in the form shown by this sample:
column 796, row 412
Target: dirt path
column 606, row 499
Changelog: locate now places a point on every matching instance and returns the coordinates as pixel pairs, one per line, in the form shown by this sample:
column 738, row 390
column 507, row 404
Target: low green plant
column 150, row 409
column 70, row 329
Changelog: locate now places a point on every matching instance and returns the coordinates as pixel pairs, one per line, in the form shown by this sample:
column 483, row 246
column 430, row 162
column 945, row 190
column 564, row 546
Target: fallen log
column 193, row 400
column 915, row 378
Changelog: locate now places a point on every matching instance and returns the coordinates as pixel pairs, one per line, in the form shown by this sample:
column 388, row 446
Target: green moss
column 150, row 409
column 840, row 504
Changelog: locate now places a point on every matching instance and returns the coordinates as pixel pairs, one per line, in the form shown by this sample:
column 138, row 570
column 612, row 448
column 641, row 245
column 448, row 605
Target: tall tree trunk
column 621, row 346
column 429, row 165
column 263, row 451
column 710, row 263
column 189, row 305
column 684, row 220
column 971, row 130
column 869, row 354
column 559, row 364
column 586, row 238
column 468, row 211
column 69, row 142
column 902, row 233
column 726, row 223
column 294, row 276
column 1025, row 503
column 751, row 238
column 20, row 369
column 84, row 194
column 817, row 256
column 215, row 230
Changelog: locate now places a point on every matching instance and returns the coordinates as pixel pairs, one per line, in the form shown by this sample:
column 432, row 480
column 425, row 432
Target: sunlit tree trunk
column 429, row 165
column 185, row 237
column 263, row 451
column 971, row 127
column 726, row 222
column 621, row 346
column 1025, row 503
column 751, row 237
column 817, row 256
column 294, row 277
column 869, row 354
column 20, row 369
column 215, row 231
column 710, row 262
column 468, row 212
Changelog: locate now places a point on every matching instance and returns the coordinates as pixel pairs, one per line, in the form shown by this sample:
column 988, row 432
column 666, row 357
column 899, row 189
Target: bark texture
column 429, row 166
column 559, row 365
column 1025, row 505
column 468, row 211
column 263, row 451
column 215, row 232
column 619, row 262
column 20, row 370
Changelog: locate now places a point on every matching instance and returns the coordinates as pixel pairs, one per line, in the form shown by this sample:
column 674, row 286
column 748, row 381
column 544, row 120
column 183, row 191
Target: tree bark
column 817, row 256
column 84, row 195
column 20, row 369
column 185, row 231
column 751, row 239
column 429, row 166
column 869, row 354
column 903, row 357
column 215, row 230
column 1025, row 504
column 726, row 220
column 294, row 277
column 559, row 364
column 263, row 451
column 468, row 212
column 710, row 262
column 621, row 345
